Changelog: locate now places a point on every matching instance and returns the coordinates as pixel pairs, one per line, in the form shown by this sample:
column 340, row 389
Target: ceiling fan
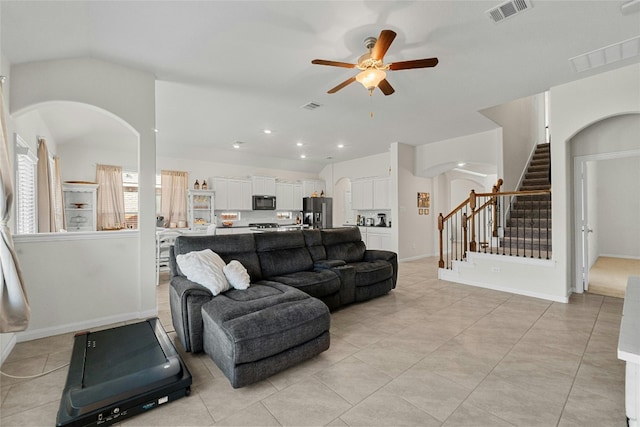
column 373, row 69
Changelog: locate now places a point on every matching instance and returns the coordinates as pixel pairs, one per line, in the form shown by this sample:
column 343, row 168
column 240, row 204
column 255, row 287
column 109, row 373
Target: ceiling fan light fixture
column 371, row 78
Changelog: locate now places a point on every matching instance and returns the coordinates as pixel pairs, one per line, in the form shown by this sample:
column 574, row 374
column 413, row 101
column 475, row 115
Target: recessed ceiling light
column 461, row 164
column 156, row 130
column 340, row 145
column 299, row 144
column 237, row 144
column 267, row 131
column 303, row 156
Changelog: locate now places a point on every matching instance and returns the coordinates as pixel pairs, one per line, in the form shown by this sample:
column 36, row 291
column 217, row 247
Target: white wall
column 416, row 233
column 478, row 149
column 522, row 124
column 30, row 127
column 591, row 190
column 129, row 96
column 618, row 207
column 573, row 107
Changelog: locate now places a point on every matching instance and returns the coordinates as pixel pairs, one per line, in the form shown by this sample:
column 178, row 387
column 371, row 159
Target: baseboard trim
column 452, row 276
column 415, row 258
column 35, row 334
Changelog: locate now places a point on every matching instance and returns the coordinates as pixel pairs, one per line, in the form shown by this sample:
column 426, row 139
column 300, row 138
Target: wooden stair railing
column 500, row 219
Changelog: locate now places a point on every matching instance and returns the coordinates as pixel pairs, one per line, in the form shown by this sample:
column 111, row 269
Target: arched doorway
column 606, row 178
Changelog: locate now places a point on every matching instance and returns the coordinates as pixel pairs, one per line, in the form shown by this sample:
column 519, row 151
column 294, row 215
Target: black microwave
column 264, row 203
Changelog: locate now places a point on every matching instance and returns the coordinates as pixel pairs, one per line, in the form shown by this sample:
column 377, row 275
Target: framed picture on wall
column 423, row 200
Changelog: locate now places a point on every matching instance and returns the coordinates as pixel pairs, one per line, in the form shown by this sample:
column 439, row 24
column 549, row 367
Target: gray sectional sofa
column 283, row 318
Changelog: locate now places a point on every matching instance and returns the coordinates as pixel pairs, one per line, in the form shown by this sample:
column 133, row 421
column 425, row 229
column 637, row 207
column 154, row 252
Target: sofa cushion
column 344, row 243
column 282, row 253
column 370, row 272
column 317, row 283
column 313, row 240
column 241, row 247
column 264, row 320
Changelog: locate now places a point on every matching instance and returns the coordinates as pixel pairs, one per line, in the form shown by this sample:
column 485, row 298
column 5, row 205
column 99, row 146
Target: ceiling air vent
column 508, row 9
column 311, row 106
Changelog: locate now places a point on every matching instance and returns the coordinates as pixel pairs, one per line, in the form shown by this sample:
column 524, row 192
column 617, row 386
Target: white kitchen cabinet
column 263, row 185
column 221, row 188
column 381, row 192
column 376, row 237
column 284, row 196
column 232, row 193
column 200, row 207
column 239, row 194
column 309, row 186
column 297, row 197
column 362, row 194
column 80, row 202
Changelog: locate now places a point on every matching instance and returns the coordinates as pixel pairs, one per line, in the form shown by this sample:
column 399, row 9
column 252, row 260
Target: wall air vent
column 311, row 105
column 508, row 9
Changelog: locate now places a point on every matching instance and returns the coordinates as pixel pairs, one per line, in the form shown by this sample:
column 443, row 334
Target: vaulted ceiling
column 227, row 70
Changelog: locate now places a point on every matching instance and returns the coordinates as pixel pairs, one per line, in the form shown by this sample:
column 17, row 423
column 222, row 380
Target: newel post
column 472, row 205
column 494, row 202
column 440, row 228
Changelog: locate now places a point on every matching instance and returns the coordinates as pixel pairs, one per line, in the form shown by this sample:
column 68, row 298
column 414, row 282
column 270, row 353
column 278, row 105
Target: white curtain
column 110, row 209
column 174, row 196
column 14, row 305
column 46, row 212
column 57, row 196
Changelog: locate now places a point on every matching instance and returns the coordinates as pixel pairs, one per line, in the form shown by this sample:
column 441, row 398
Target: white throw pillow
column 237, row 275
column 205, row 268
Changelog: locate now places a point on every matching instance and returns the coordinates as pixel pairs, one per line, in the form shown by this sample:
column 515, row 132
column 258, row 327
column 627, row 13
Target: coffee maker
column 382, row 220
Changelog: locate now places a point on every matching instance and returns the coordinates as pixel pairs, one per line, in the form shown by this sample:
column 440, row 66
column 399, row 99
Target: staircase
column 528, row 227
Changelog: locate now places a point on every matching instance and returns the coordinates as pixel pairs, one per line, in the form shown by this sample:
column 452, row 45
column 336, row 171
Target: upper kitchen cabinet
column 263, row 185
column 232, row 194
column 362, row 194
column 310, row 186
column 381, row 193
column 288, row 196
column 371, row 193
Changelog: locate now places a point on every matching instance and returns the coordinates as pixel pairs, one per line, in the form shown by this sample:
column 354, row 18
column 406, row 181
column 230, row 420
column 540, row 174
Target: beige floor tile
column 585, row 408
column 353, row 379
column 383, row 409
column 306, row 403
column 430, row 392
column 222, row 400
column 512, row 402
column 31, row 394
column 39, row 416
column 469, row 416
column 255, row 415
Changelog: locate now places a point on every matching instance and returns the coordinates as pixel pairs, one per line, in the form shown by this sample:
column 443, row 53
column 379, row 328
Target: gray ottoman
column 254, row 333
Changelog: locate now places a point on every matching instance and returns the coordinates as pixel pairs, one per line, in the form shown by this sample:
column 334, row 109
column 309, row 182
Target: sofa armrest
column 389, row 256
column 329, row 263
column 186, row 299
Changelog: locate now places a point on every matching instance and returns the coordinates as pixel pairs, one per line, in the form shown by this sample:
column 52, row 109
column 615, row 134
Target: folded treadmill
column 120, row 372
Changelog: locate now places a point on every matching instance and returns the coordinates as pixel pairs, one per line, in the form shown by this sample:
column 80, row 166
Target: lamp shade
column 370, row 78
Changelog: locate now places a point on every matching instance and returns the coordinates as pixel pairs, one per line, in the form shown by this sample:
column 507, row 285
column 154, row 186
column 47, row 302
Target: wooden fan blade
column 332, row 63
column 382, row 45
column 417, row 63
column 385, row 87
column 343, row 84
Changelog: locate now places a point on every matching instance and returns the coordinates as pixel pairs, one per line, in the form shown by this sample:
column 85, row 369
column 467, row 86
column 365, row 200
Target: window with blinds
column 25, row 189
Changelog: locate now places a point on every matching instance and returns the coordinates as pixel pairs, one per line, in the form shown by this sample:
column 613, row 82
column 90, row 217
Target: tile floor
column 431, row 353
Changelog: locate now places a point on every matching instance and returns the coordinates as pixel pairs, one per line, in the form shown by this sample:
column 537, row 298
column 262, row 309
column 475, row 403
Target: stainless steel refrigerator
column 318, row 211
